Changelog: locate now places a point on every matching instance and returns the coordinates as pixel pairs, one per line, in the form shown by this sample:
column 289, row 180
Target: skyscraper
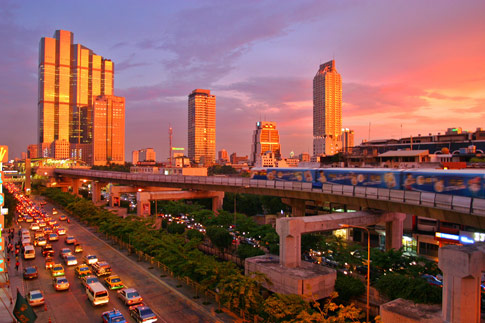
column 202, row 127
column 327, row 110
column 265, row 138
column 347, row 140
column 71, row 76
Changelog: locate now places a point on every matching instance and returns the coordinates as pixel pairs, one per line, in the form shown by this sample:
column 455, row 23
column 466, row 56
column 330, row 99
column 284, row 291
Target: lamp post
column 368, row 262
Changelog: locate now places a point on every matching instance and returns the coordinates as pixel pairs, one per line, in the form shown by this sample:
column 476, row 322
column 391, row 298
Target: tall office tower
column 327, row 110
column 265, row 138
column 202, row 127
column 347, row 140
column 70, row 77
column 108, row 130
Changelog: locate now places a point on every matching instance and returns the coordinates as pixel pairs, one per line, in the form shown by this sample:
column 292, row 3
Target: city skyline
column 418, row 65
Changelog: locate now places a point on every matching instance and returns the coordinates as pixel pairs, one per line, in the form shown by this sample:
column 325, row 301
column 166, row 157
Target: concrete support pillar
column 298, row 206
column 114, row 200
column 217, row 202
column 96, row 191
column 461, row 266
column 143, row 204
column 75, row 186
column 290, row 241
column 394, row 231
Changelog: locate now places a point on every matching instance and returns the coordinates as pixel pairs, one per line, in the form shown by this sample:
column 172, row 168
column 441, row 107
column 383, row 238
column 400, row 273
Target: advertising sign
column 3, row 154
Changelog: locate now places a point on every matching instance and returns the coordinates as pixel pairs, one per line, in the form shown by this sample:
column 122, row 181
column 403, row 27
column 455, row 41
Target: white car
column 90, row 259
column 70, row 260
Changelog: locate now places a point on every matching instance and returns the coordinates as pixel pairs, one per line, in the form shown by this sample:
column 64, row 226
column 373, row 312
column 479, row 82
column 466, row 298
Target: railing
column 462, row 204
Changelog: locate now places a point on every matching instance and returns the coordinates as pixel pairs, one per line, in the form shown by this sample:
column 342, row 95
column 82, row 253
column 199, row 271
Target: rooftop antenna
column 369, row 132
column 170, row 133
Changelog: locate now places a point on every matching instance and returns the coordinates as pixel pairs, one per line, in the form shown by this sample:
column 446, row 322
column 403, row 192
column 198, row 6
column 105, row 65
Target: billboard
column 3, row 154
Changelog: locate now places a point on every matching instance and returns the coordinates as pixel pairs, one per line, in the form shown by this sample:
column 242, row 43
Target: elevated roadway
column 456, row 209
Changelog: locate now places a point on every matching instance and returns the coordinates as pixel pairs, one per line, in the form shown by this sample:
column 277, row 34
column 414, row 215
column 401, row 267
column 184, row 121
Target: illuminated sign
column 3, row 154
column 479, row 237
column 466, row 240
column 448, row 236
column 175, row 148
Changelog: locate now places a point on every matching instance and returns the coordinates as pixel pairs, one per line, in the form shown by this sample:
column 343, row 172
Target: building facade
column 71, row 76
column 327, row 110
column 347, row 140
column 202, row 127
column 223, row 156
column 109, row 130
column 265, row 138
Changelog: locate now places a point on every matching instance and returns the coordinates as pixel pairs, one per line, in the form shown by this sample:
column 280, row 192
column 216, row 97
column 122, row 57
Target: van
column 97, row 294
column 26, row 241
column 29, row 252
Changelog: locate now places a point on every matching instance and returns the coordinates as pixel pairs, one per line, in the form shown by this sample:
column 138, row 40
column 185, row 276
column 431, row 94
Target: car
column 60, row 283
column 54, row 211
column 90, row 259
column 29, row 219
column 432, row 280
column 65, row 252
column 57, row 270
column 42, row 224
column 78, row 248
column 49, row 262
column 39, row 233
column 70, row 260
column 30, row 272
column 89, row 279
column 55, row 226
column 61, row 231
column 62, row 217
column 34, row 226
column 47, row 230
column 113, row 316
column 142, row 313
column 43, row 203
column 35, row 298
column 83, row 270
column 102, row 268
column 113, row 282
column 53, row 236
column 47, row 250
column 40, row 241
column 70, row 240
column 130, row 296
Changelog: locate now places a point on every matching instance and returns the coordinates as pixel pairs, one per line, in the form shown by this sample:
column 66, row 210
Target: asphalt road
column 74, row 306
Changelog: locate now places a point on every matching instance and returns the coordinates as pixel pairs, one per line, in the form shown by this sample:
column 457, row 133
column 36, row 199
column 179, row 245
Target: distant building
column 265, row 138
column 71, row 77
column 235, row 159
column 202, row 126
column 304, row 157
column 108, row 130
column 33, row 151
column 135, row 156
column 292, row 162
column 223, row 156
column 347, row 140
column 147, row 154
column 327, row 110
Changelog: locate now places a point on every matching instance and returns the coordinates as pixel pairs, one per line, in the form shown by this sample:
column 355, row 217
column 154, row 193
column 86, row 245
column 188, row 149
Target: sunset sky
column 419, row 64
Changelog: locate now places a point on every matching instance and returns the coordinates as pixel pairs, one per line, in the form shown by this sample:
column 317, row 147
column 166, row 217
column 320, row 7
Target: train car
column 469, row 183
column 284, row 174
column 368, row 177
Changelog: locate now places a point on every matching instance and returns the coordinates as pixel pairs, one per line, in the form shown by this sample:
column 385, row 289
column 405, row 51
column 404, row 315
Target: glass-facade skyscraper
column 327, row 110
column 265, row 138
column 202, row 127
column 71, row 77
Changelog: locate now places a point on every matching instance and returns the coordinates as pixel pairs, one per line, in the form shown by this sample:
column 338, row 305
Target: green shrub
column 193, row 234
column 245, row 251
column 176, row 228
column 348, row 287
column 415, row 289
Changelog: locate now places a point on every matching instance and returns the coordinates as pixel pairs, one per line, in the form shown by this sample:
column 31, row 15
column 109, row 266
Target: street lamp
column 368, row 261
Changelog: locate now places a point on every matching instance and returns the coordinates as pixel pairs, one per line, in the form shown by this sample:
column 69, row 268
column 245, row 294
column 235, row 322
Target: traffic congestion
column 44, row 250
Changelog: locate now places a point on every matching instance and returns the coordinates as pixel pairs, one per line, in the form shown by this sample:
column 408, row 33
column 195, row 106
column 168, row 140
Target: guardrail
column 463, row 204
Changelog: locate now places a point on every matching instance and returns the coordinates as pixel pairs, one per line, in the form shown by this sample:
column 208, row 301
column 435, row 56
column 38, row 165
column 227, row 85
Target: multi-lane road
column 73, row 306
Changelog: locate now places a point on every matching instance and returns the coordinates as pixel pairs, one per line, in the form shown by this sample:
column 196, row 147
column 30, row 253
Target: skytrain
column 470, row 183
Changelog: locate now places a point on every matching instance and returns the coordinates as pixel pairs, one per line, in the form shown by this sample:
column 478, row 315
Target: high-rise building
column 109, row 130
column 265, row 138
column 135, row 157
column 147, row 154
column 223, row 156
column 327, row 110
column 71, row 76
column 347, row 140
column 202, row 127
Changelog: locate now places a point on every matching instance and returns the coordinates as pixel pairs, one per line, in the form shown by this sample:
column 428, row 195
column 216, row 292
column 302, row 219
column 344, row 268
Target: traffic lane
column 162, row 300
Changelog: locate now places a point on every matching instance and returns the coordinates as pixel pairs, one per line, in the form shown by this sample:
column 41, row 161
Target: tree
column 195, row 234
column 348, row 287
column 178, row 228
column 246, row 251
column 219, row 237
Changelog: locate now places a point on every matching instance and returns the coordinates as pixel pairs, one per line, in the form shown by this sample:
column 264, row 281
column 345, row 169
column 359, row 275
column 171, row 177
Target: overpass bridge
column 456, row 209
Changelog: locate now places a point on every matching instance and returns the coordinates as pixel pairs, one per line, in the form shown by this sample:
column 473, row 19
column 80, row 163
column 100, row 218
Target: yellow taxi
column 83, row 270
column 113, row 282
column 57, row 270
